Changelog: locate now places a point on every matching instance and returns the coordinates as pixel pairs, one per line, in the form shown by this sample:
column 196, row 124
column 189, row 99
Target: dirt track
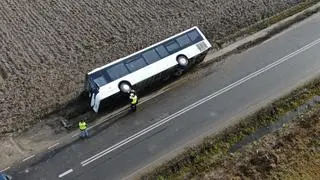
column 46, row 47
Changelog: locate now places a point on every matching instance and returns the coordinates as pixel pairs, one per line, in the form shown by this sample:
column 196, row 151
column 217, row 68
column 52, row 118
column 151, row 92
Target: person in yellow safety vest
column 83, row 129
column 134, row 101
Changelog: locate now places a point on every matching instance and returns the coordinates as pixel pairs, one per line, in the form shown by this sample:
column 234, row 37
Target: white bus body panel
column 146, row 72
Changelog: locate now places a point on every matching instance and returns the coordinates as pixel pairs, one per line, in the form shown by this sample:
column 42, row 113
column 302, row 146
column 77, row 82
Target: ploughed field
column 47, row 46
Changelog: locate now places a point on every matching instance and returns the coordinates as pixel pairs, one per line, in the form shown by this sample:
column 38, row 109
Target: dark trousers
column 133, row 107
column 84, row 133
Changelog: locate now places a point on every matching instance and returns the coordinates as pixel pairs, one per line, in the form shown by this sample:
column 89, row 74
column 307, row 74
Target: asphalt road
column 203, row 105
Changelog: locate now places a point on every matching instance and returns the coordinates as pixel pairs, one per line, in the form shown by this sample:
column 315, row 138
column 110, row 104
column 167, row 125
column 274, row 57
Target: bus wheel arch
column 125, row 86
column 183, row 61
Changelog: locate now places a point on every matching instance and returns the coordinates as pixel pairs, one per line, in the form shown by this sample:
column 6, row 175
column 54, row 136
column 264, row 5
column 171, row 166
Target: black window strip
column 106, row 70
column 178, row 49
column 135, row 58
column 158, row 53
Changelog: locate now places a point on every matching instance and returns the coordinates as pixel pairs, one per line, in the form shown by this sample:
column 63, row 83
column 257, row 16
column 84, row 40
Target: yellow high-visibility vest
column 134, row 99
column 82, row 125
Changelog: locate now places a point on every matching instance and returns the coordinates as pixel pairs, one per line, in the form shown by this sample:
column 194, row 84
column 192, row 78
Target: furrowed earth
column 47, row 47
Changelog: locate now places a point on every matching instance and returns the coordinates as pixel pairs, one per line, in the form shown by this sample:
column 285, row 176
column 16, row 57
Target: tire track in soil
column 53, row 49
column 21, row 64
column 41, row 29
column 25, row 59
column 11, row 66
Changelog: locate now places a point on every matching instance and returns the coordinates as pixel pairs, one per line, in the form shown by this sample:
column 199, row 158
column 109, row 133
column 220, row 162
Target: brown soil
column 47, row 46
column 290, row 153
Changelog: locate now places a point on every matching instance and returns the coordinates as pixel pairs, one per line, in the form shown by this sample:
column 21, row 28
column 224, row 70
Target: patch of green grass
column 200, row 159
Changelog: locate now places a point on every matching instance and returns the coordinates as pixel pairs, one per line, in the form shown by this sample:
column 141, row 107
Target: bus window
column 183, row 41
column 98, row 78
column 195, row 36
column 172, row 46
column 136, row 64
column 117, row 71
column 162, row 51
column 151, row 56
column 100, row 81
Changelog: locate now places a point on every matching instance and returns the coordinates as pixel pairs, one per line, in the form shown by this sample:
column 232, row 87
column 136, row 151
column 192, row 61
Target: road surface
column 205, row 104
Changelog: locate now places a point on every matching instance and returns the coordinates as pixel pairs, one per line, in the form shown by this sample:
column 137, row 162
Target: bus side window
column 117, row 71
column 151, row 56
column 162, row 51
column 183, row 41
column 135, row 64
column 172, row 46
column 195, row 36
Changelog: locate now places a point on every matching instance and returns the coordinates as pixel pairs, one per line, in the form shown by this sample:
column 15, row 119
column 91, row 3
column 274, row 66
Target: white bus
column 175, row 53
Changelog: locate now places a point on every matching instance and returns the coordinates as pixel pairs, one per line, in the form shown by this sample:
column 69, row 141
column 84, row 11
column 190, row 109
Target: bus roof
column 130, row 55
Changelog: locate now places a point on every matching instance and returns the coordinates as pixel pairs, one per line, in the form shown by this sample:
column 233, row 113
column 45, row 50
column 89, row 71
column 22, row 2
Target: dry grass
column 290, row 153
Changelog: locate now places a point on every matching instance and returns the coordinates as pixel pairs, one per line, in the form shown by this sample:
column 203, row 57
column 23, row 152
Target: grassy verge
column 292, row 152
column 209, row 153
column 296, row 148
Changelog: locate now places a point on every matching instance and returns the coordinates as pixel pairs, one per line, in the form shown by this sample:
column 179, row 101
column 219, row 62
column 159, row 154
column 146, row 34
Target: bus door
column 93, row 91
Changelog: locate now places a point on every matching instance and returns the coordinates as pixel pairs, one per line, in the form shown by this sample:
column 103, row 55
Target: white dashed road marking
column 28, row 158
column 4, row 169
column 77, row 134
column 65, row 173
column 56, row 144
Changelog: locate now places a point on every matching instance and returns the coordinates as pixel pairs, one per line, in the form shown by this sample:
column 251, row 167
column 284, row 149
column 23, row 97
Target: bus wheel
column 183, row 61
column 125, row 87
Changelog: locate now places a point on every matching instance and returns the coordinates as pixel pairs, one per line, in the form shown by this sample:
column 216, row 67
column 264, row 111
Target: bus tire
column 125, row 86
column 183, row 61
